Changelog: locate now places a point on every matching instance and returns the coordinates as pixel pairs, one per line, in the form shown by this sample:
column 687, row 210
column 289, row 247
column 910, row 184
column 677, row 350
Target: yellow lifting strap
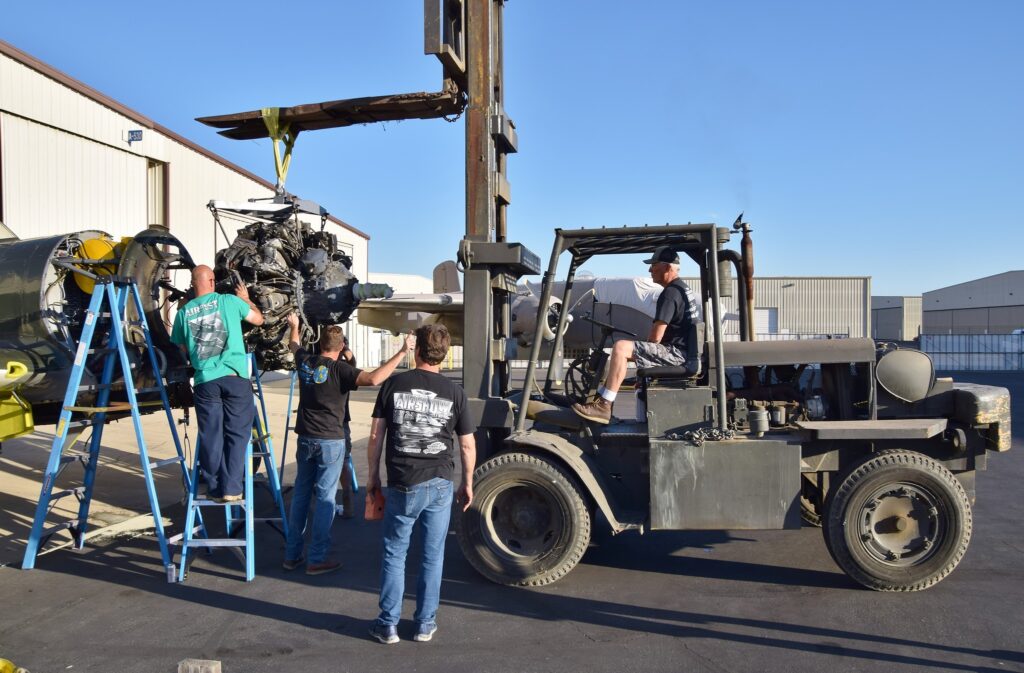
column 279, row 133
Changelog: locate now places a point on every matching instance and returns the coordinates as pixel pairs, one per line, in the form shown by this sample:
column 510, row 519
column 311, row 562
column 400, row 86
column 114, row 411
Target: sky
column 881, row 139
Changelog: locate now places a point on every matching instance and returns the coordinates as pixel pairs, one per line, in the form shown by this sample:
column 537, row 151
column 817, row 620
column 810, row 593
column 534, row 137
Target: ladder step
column 266, row 519
column 146, row 391
column 102, row 351
column 123, row 406
column 260, row 438
column 93, row 387
column 82, row 457
column 206, row 502
column 56, row 528
column 117, row 406
column 76, row 491
column 83, row 423
column 177, row 537
column 221, row 542
column 166, row 461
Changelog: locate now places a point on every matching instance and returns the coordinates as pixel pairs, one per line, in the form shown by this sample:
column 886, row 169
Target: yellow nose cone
column 96, row 249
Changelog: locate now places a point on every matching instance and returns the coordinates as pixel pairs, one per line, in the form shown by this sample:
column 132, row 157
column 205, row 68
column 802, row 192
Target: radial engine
column 288, row 266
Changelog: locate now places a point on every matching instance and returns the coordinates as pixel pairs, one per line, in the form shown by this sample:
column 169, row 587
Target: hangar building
column 73, row 159
column 989, row 305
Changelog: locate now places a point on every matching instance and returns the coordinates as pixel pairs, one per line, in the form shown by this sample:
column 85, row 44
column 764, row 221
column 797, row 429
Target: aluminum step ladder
column 238, row 515
column 111, row 297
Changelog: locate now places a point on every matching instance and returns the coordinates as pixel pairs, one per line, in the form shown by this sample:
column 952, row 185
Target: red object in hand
column 374, row 505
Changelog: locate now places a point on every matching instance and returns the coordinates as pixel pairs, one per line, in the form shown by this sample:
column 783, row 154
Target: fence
column 571, row 353
column 975, row 352
column 949, row 352
column 786, row 336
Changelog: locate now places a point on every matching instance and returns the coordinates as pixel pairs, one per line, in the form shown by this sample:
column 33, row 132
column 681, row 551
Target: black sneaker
column 384, row 633
column 424, row 632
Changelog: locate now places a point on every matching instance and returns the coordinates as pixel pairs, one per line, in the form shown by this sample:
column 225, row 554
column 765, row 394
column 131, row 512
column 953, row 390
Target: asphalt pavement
column 692, row 601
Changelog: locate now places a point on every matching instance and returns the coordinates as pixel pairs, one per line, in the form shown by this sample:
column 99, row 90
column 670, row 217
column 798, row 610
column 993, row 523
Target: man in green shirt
column 209, row 330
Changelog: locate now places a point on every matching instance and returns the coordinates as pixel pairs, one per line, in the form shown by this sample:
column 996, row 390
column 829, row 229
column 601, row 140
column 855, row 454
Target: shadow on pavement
column 133, row 567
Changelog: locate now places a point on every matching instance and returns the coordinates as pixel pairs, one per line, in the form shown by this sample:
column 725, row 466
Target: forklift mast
column 466, row 37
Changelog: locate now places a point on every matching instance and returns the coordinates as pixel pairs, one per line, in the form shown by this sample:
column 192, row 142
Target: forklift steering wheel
column 607, row 327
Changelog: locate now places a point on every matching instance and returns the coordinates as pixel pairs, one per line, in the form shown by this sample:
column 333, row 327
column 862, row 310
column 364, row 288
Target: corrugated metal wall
column 809, row 305
column 55, row 182
column 912, row 317
column 1003, row 289
column 27, row 93
column 991, row 305
column 896, row 318
column 984, row 320
column 887, row 323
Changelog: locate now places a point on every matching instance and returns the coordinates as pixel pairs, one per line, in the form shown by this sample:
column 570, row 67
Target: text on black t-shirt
column 424, row 412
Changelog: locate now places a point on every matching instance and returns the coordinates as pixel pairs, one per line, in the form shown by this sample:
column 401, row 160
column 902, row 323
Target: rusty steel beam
column 338, row 113
column 480, row 159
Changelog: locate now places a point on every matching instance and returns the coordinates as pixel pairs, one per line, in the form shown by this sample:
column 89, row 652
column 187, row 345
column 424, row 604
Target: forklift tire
column 899, row 521
column 809, row 513
column 528, row 524
column 810, row 499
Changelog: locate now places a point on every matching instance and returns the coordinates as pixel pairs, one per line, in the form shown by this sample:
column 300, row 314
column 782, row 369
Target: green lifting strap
column 279, row 133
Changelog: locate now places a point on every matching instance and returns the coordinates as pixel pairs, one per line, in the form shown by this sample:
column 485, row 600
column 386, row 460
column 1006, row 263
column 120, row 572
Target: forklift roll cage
column 699, row 242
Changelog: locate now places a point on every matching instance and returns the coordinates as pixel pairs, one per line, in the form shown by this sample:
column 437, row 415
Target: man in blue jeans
column 420, row 412
column 324, row 384
column 209, row 330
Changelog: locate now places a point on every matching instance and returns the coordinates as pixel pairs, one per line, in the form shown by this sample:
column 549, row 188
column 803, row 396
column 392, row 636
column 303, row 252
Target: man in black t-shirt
column 324, row 385
column 421, row 412
column 676, row 312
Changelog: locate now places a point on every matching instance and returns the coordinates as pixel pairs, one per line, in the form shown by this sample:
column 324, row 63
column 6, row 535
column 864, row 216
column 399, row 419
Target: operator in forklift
column 676, row 313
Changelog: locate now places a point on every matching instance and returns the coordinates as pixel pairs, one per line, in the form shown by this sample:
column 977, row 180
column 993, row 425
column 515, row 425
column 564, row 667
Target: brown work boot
column 322, row 568
column 598, row 410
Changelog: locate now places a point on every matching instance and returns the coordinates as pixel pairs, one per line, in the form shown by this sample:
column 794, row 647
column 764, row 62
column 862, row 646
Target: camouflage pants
column 648, row 354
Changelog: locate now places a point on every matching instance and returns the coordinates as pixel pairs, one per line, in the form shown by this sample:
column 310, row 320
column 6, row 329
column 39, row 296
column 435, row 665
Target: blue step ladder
column 111, row 297
column 238, row 515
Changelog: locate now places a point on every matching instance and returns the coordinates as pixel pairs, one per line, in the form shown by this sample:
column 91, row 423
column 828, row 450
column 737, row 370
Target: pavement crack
column 705, row 660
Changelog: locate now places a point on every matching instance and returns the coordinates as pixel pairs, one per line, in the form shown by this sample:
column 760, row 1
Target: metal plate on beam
column 491, row 412
column 896, row 428
column 730, row 485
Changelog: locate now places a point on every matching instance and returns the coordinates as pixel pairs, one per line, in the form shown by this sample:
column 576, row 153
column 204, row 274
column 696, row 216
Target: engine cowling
column 525, row 313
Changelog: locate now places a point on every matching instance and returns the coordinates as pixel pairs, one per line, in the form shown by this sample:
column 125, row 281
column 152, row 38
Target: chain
column 701, row 435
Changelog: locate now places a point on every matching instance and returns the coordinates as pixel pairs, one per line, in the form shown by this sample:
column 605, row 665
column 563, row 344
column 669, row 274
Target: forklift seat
column 687, row 371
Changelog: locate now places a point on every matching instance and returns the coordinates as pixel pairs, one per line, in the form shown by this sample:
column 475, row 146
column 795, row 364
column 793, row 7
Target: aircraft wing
column 425, row 303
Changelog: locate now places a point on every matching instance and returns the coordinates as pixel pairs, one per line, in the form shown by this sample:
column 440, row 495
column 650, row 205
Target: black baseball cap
column 663, row 254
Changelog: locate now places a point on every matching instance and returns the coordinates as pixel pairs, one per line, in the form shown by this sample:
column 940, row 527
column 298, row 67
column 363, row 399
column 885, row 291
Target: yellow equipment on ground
column 15, row 413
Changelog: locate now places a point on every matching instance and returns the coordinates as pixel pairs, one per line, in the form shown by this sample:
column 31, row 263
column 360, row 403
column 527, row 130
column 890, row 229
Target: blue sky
column 870, row 138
